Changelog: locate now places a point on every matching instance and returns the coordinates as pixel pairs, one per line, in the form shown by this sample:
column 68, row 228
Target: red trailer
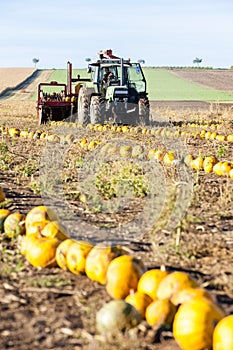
column 55, row 101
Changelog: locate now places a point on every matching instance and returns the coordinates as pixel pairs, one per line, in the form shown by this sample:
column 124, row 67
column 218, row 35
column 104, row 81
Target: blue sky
column 162, row 32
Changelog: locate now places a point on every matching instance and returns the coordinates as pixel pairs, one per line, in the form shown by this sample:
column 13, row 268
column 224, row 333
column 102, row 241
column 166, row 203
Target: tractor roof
column 110, row 63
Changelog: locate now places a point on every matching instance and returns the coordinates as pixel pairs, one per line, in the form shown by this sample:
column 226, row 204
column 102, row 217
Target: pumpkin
column 14, row 225
column 2, row 195
column 76, row 256
column 173, row 283
column 24, row 242
column 194, row 323
column 140, row 301
column 150, row 281
column 123, row 275
column 36, row 227
column 98, row 260
column 3, row 215
column 61, row 253
column 160, row 313
column 186, row 294
column 197, row 163
column 41, row 251
column 39, row 213
column 54, row 229
column 223, row 334
column 115, row 316
column 125, row 150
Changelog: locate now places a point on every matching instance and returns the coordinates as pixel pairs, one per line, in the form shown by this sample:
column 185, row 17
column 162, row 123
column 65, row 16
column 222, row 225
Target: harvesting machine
column 114, row 91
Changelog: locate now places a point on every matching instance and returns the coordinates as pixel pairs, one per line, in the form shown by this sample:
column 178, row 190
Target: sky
column 161, row 32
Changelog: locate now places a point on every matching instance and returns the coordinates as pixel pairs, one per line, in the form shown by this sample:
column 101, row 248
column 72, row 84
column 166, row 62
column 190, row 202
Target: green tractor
column 115, row 92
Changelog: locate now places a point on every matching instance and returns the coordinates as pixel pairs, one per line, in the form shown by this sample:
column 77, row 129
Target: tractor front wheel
column 82, row 109
column 95, row 110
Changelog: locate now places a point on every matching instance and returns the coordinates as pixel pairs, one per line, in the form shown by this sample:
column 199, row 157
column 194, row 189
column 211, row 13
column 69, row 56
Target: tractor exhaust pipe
column 122, row 82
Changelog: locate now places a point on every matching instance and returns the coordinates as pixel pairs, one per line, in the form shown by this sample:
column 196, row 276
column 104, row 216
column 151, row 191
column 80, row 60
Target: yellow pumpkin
column 125, row 150
column 123, row 275
column 151, row 154
column 188, row 160
column 194, row 323
column 197, row 163
column 169, row 157
column 160, row 313
column 55, row 229
column 140, row 301
column 14, row 225
column 2, row 195
column 24, row 242
column 40, row 213
column 3, row 215
column 98, row 260
column 137, row 151
column 76, row 256
column 150, row 281
column 61, row 252
column 188, row 293
column 217, row 168
column 36, row 227
column 208, row 164
column 41, row 251
column 223, row 334
column 173, row 283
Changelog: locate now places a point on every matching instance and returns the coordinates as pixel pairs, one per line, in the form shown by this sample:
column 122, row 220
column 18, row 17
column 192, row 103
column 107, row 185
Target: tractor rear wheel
column 144, row 111
column 83, row 117
column 95, row 110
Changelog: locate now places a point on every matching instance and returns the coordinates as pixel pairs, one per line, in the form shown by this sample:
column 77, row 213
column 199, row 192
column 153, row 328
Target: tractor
column 115, row 91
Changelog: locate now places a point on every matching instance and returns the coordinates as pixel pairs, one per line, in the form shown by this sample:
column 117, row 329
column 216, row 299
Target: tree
column 197, row 61
column 35, row 61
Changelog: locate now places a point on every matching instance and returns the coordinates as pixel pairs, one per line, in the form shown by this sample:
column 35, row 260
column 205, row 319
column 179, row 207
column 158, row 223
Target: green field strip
column 162, row 85
column 165, row 86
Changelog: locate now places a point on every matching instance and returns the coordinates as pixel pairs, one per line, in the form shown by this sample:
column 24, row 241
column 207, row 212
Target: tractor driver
column 107, row 75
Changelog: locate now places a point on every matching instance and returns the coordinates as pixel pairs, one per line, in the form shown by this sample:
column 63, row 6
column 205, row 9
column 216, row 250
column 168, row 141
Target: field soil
column 55, row 309
column 20, row 84
column 11, row 77
column 212, row 78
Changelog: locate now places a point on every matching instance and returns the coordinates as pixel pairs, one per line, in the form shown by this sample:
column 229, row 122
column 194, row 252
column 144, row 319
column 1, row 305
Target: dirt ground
column 55, row 309
column 212, row 78
column 11, row 77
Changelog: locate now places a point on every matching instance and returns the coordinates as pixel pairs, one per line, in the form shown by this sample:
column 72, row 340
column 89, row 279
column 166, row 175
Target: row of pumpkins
column 173, row 300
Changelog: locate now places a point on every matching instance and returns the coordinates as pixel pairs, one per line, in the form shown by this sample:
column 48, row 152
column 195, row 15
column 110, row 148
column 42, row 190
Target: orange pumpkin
column 223, row 334
column 140, row 301
column 160, row 313
column 150, row 281
column 76, row 256
column 41, row 252
column 54, row 229
column 173, row 283
column 3, row 215
column 14, row 225
column 62, row 251
column 123, row 275
column 98, row 260
column 194, row 323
